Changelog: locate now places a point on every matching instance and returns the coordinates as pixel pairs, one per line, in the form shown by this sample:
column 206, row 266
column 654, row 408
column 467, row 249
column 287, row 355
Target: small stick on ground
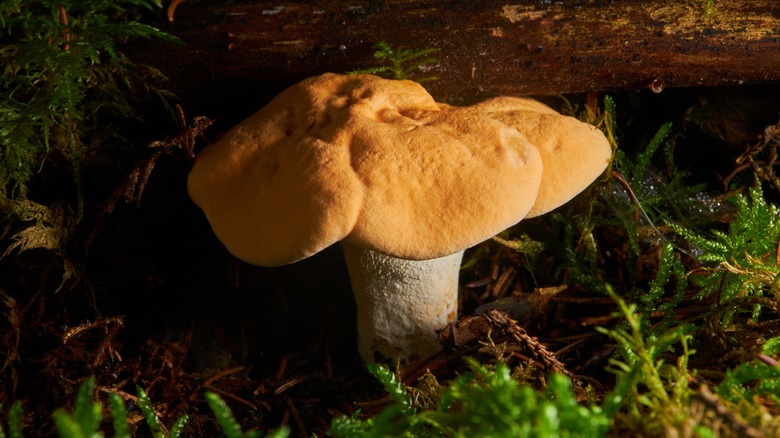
column 539, row 351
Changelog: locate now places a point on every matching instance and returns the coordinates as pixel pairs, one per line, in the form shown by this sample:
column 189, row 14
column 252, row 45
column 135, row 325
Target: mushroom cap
column 573, row 153
column 371, row 161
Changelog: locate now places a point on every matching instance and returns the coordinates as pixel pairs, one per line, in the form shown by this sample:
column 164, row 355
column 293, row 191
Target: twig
column 712, row 403
column 222, row 374
column 510, row 327
column 292, row 382
column 297, row 417
column 132, row 188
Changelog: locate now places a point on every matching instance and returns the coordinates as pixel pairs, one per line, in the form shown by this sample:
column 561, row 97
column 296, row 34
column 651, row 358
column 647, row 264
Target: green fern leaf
column 178, row 426
column 15, row 425
column 394, row 387
column 227, row 422
column 149, row 413
column 119, row 416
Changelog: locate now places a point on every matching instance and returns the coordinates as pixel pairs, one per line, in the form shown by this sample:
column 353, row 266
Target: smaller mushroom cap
column 573, row 153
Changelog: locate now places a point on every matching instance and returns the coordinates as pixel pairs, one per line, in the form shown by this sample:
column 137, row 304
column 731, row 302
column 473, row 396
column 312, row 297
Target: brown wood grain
column 485, row 47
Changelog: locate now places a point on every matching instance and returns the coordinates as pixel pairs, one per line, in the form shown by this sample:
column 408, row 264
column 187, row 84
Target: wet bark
column 486, row 47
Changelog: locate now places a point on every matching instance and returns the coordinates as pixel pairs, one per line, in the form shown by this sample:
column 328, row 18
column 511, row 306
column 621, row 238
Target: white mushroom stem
column 401, row 304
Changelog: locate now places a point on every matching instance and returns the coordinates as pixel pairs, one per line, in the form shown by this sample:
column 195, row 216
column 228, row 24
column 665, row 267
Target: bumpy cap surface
column 371, row 161
column 573, row 153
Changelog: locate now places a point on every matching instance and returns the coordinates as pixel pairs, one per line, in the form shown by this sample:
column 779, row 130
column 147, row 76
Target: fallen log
column 485, row 48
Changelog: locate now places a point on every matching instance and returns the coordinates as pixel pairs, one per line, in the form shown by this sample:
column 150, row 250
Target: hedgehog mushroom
column 405, row 184
column 377, row 165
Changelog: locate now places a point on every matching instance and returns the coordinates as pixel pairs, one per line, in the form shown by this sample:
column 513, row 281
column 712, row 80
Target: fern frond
column 393, row 386
column 56, row 60
column 400, row 63
column 741, row 262
column 119, row 416
column 149, row 413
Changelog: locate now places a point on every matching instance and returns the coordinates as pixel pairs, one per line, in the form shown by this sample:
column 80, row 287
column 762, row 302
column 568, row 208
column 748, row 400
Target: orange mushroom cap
column 573, row 153
column 371, row 161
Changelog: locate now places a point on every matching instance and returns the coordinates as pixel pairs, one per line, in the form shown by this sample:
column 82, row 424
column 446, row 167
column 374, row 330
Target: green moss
column 63, row 81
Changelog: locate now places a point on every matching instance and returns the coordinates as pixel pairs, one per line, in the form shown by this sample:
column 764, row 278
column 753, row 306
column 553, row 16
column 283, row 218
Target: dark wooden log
column 486, row 47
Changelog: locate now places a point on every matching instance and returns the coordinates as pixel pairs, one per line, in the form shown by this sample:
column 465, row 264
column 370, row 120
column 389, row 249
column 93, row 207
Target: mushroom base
column 401, row 304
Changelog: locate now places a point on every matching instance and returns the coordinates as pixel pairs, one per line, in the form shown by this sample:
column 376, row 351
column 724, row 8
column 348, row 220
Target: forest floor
column 157, row 302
